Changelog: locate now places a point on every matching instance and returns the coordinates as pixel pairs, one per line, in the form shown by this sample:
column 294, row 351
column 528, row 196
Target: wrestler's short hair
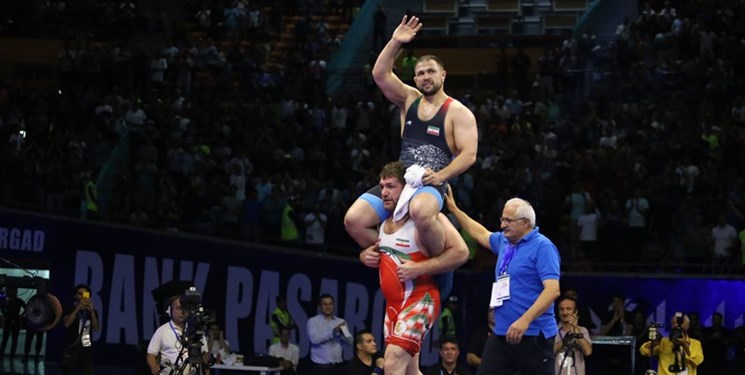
column 394, row 169
column 431, row 58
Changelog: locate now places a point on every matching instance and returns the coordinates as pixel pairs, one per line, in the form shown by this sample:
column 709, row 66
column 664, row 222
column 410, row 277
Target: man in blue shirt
column 326, row 333
column 527, row 283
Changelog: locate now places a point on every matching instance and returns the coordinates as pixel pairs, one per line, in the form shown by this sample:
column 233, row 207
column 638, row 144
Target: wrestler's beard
column 436, row 86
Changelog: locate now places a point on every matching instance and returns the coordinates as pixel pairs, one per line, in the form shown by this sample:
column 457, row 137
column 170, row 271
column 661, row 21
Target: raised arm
column 477, row 231
column 390, row 85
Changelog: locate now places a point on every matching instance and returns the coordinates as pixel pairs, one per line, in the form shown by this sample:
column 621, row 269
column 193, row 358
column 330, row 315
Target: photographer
column 80, row 321
column 678, row 353
column 168, row 342
column 573, row 343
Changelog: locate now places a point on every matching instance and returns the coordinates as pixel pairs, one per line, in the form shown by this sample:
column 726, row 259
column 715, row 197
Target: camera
column 197, row 320
column 654, row 334
column 570, row 339
column 677, row 332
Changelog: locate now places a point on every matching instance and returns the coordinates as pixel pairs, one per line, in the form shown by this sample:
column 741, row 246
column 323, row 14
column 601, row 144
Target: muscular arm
column 452, row 256
column 390, row 85
column 477, row 231
column 465, row 141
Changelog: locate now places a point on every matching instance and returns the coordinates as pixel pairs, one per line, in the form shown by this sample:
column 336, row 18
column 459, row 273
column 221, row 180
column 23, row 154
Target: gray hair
column 523, row 209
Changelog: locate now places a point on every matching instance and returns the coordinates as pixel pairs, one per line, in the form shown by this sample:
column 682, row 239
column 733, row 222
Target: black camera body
column 197, row 321
column 677, row 332
column 570, row 339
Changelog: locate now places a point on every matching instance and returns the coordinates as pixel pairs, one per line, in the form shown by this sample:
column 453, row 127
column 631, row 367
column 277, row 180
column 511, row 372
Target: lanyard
column 178, row 337
column 507, row 258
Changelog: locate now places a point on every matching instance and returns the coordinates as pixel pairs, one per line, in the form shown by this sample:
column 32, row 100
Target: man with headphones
column 168, row 344
column 80, row 321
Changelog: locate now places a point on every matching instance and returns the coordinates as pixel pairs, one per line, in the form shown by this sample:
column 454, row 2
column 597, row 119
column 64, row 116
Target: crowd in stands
column 206, row 134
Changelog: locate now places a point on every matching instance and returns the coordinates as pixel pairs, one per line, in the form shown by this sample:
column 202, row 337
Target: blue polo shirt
column 535, row 259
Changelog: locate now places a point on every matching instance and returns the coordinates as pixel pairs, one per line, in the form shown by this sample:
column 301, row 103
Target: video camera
column 197, row 320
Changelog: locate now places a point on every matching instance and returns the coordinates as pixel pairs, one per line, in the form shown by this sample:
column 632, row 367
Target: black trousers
column 11, row 329
column 321, row 369
column 534, row 355
column 77, row 361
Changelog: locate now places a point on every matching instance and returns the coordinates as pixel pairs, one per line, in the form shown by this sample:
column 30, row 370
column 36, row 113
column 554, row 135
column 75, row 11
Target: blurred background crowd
column 190, row 119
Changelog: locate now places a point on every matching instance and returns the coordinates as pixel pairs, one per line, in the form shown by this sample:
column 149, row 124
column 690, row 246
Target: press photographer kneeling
column 678, row 353
column 573, row 342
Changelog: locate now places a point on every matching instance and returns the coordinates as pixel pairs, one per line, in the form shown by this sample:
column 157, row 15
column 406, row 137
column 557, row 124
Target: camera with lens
column 654, row 334
column 197, row 320
column 677, row 332
column 570, row 339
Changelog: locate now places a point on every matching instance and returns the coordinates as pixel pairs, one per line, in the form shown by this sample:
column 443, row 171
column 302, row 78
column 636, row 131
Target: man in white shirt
column 724, row 242
column 168, row 344
column 315, row 226
column 287, row 351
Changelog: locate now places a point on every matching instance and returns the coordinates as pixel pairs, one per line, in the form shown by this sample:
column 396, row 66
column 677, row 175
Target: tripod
column 187, row 366
column 568, row 354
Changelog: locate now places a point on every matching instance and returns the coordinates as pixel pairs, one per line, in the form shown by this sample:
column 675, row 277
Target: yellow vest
column 289, row 229
column 91, row 195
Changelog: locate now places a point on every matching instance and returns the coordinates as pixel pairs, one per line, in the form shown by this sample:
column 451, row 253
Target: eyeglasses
column 510, row 221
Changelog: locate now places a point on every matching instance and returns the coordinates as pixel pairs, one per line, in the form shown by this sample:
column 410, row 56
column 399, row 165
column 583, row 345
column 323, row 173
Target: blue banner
column 241, row 281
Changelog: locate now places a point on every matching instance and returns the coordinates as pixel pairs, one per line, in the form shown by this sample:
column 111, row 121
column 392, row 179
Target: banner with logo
column 241, row 281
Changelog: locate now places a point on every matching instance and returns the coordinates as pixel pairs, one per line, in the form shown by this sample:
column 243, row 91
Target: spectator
column 11, row 319
column 449, row 353
column 715, row 341
column 218, row 346
column 367, row 359
column 315, row 227
column 573, row 343
column 288, row 352
column 446, row 322
column 617, row 322
column 724, row 243
column 327, row 333
column 588, row 224
column 637, row 210
column 281, row 318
